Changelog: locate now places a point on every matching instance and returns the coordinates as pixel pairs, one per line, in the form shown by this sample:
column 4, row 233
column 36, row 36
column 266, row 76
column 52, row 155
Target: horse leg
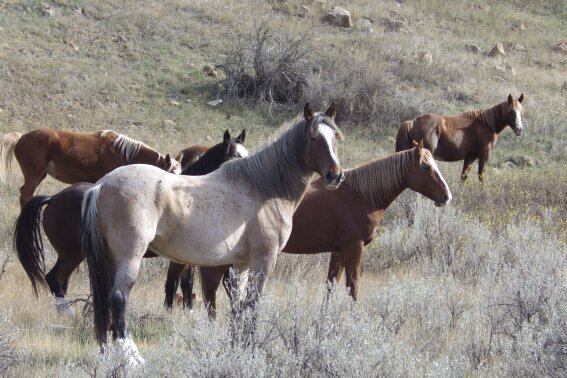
column 482, row 161
column 58, row 281
column 174, row 273
column 187, row 278
column 211, row 278
column 31, row 182
column 336, row 266
column 124, row 279
column 469, row 160
column 352, row 259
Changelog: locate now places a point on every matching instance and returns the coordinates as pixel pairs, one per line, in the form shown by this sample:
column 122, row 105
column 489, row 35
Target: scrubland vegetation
column 477, row 288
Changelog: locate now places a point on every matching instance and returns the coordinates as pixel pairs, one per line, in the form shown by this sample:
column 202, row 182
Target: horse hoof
column 130, row 352
column 64, row 307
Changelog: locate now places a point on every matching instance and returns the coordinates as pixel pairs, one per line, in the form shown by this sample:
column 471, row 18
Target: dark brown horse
column 62, row 223
column 468, row 136
column 73, row 157
column 346, row 227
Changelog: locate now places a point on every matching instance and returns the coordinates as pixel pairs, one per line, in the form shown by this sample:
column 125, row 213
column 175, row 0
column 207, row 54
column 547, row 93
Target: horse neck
column 149, row 156
column 494, row 117
column 278, row 170
column 207, row 163
column 380, row 182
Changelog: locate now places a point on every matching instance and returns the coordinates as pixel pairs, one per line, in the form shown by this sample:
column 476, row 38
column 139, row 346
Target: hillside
column 474, row 289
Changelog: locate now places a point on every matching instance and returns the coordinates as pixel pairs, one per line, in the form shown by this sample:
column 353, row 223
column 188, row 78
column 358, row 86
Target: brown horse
column 62, row 224
column 469, row 136
column 350, row 223
column 73, row 157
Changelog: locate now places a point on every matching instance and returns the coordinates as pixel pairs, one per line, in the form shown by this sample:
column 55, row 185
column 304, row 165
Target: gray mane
column 275, row 169
column 381, row 179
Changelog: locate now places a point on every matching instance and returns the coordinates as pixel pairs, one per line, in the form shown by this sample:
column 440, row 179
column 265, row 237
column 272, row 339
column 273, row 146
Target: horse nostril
column 330, row 176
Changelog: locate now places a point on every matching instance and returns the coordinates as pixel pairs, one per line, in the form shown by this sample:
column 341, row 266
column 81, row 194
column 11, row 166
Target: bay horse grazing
column 240, row 214
column 61, row 222
column 467, row 136
column 73, row 157
column 350, row 223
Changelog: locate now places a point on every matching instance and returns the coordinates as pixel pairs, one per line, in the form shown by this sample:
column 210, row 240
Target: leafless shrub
column 267, row 66
column 8, row 338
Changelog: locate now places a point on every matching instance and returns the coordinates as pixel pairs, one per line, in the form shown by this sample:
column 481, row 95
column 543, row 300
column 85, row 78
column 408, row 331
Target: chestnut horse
column 73, row 157
column 350, row 223
column 62, row 224
column 240, row 214
column 469, row 136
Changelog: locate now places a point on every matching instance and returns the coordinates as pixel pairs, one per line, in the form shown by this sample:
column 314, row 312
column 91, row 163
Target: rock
column 47, row 11
column 173, row 102
column 551, row 66
column 305, row 9
column 338, row 16
column 564, row 86
column 519, row 26
column 208, row 137
column 471, row 47
column 508, row 165
column 518, row 47
column 365, row 25
column 510, row 69
column 169, row 123
column 78, row 11
column 426, row 57
column 209, row 70
column 562, row 47
column 215, row 102
column 497, row 51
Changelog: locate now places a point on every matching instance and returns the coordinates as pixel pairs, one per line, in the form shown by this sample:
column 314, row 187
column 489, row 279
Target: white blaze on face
column 435, row 168
column 519, row 125
column 329, row 134
column 241, row 151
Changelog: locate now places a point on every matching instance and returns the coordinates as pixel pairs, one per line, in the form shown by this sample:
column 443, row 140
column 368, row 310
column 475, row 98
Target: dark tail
column 403, row 140
column 28, row 243
column 93, row 247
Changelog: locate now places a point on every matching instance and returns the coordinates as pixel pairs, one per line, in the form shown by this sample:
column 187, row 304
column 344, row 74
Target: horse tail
column 28, row 243
column 403, row 140
column 7, row 145
column 93, row 247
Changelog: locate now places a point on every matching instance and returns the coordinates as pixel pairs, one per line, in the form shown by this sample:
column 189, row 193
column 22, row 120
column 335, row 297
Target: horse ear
column 415, row 144
column 226, row 137
column 420, row 145
column 242, row 136
column 332, row 111
column 308, row 112
column 521, row 98
column 167, row 160
column 510, row 98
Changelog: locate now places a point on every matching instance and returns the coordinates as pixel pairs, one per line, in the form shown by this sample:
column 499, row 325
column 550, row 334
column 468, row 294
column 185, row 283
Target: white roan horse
column 240, row 214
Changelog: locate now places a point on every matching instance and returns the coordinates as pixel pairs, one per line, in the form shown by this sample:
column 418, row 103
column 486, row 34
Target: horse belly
column 204, row 243
column 453, row 148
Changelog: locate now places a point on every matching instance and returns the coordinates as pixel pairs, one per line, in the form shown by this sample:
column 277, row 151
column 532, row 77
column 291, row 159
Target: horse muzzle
column 333, row 180
column 445, row 200
column 518, row 132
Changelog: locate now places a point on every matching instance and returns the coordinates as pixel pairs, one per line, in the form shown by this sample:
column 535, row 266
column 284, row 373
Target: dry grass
column 474, row 289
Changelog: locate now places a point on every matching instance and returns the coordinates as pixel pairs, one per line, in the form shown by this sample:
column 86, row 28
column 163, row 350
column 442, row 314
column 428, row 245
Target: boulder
column 471, row 47
column 497, row 51
column 338, row 16
column 562, row 47
column 426, row 57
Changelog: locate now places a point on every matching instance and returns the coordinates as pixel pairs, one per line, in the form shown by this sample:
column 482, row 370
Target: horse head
column 234, row 147
column 172, row 165
column 425, row 178
column 321, row 151
column 514, row 114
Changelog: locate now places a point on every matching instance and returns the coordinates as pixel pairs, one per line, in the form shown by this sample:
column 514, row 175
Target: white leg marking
column 130, row 351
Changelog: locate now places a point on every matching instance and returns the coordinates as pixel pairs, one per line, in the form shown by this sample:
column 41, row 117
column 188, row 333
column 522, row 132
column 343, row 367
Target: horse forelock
column 128, row 147
column 275, row 169
column 382, row 179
